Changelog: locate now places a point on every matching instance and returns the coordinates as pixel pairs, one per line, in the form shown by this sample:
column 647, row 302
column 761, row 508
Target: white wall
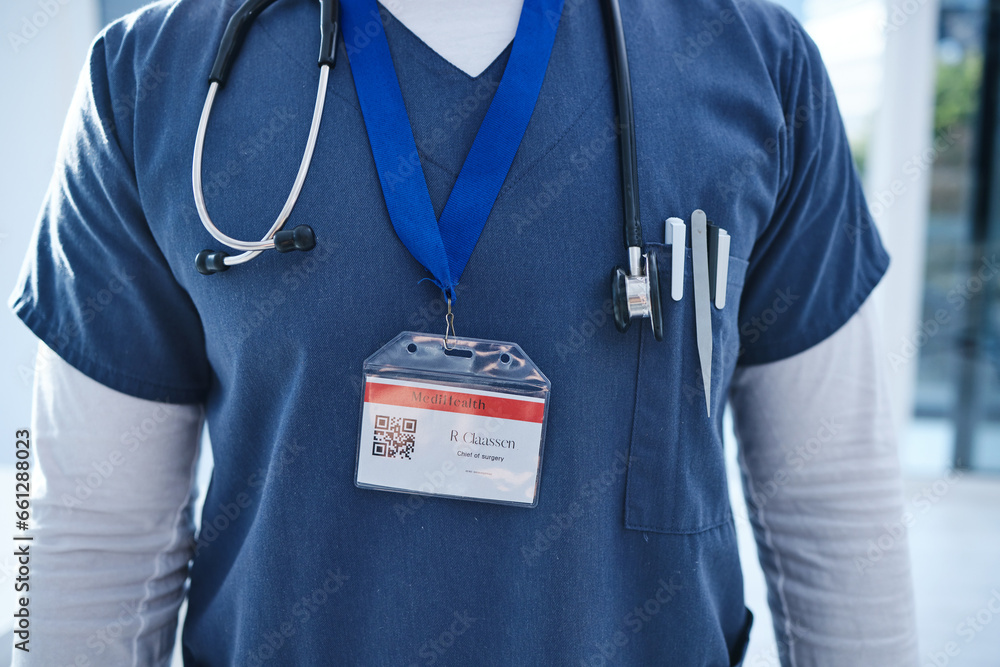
column 43, row 50
column 881, row 59
column 899, row 191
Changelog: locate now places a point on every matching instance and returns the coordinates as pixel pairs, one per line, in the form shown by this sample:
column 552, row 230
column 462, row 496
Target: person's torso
column 634, row 564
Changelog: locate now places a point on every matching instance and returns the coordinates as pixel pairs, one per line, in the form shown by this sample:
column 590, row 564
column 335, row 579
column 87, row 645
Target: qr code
column 394, row 437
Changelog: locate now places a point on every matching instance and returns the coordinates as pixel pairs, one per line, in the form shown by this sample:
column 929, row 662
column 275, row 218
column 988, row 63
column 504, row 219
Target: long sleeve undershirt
column 113, row 478
column 821, row 476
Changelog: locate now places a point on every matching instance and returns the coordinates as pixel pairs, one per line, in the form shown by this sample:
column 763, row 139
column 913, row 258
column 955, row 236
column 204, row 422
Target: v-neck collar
column 388, row 15
column 578, row 77
column 434, row 61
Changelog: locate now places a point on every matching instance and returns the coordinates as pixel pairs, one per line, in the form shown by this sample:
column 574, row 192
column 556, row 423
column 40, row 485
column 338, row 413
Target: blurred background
column 918, row 84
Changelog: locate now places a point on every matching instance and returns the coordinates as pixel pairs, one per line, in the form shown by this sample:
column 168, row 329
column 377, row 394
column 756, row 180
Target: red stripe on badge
column 454, row 401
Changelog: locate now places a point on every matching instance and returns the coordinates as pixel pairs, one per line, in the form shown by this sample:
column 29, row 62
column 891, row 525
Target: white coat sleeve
column 111, row 519
column 821, row 476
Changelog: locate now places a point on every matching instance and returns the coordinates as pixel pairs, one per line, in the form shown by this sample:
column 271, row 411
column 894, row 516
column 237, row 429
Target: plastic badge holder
column 466, row 423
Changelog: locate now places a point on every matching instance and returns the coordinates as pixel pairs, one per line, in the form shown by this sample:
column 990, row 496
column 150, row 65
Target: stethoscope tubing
column 626, row 145
column 236, row 32
column 251, row 249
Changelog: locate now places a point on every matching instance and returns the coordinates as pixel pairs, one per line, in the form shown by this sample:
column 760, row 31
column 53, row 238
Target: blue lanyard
column 444, row 246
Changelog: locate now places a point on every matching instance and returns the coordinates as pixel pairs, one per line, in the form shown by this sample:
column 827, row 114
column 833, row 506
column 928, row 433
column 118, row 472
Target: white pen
column 722, row 269
column 675, row 235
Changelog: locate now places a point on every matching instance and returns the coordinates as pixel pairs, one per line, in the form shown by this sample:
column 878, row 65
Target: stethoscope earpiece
column 287, row 240
column 211, row 261
column 301, row 238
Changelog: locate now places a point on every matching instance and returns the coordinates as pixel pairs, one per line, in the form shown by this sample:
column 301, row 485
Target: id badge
column 465, row 423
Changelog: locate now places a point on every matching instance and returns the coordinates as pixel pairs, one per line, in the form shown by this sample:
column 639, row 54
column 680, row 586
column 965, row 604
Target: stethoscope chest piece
column 636, row 293
column 637, row 296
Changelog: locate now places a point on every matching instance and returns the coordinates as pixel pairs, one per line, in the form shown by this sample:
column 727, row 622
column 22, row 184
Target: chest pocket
column 676, row 475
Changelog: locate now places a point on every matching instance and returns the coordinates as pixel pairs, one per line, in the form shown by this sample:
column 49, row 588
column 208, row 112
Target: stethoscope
column 635, row 294
column 301, row 237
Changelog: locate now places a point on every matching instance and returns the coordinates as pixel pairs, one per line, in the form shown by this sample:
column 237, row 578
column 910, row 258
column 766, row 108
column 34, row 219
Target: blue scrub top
column 630, row 556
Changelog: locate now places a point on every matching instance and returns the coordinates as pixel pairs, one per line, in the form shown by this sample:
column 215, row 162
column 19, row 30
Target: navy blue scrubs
column 630, row 556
